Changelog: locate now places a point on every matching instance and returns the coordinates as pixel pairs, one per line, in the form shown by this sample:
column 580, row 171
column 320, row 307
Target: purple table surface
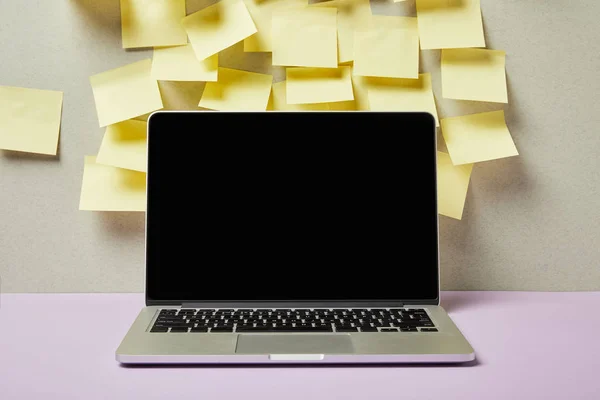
column 528, row 346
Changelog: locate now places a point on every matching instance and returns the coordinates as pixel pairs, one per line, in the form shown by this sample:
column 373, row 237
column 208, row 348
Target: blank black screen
column 291, row 206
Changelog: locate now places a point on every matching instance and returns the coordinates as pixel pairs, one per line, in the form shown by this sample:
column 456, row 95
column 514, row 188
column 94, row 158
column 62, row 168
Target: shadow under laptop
column 473, row 363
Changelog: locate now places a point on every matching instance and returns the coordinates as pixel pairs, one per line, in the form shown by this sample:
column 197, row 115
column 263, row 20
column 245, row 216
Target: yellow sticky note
column 351, row 15
column 149, row 23
column 124, row 145
column 261, row 12
column 349, row 105
column 278, row 101
column 474, row 74
column 389, row 48
column 452, row 186
column 319, row 85
column 237, row 91
column 305, row 37
column 361, row 92
column 179, row 63
column 477, row 137
column 107, row 188
column 218, row 27
column 447, row 24
column 30, row 119
column 125, row 93
column 388, row 94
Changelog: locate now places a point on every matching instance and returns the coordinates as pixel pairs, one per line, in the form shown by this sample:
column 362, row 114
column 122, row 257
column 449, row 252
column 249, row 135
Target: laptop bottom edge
column 297, row 359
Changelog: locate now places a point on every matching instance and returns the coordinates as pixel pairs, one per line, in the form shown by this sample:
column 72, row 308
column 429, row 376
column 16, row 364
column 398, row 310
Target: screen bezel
column 160, row 121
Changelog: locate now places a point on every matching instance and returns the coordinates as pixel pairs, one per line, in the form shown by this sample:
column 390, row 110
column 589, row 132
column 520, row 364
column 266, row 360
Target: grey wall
column 531, row 222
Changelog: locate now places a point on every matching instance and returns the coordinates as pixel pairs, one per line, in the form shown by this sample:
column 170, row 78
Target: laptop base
column 447, row 345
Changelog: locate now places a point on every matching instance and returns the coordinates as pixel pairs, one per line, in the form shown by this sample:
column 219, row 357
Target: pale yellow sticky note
column 305, row 37
column 388, row 94
column 478, row 137
column 349, row 105
column 125, row 93
column 150, row 23
column 278, row 101
column 351, row 15
column 180, row 63
column 474, row 74
column 389, row 48
column 360, row 102
column 107, row 188
column 261, row 12
column 447, row 24
column 237, row 91
column 30, row 119
column 452, row 186
column 319, row 85
column 218, row 27
column 124, row 145
column 361, row 92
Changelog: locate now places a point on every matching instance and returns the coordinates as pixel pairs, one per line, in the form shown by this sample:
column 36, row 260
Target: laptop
column 302, row 237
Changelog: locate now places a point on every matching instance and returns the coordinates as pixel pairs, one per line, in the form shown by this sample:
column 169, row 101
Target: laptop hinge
column 295, row 304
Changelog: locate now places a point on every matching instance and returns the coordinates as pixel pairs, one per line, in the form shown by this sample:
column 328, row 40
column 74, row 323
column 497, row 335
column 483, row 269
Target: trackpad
column 294, row 344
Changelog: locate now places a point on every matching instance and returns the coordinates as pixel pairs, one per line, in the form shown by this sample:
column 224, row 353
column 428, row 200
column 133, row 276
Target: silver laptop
column 292, row 238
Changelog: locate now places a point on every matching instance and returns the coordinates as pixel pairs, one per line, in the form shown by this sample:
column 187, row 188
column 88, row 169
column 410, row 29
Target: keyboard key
column 339, row 327
column 181, row 324
column 429, row 330
column 251, row 329
column 169, row 319
column 283, row 325
column 368, row 329
column 222, row 329
column 303, row 329
column 199, row 329
column 411, row 329
column 388, row 330
column 285, row 329
column 411, row 323
column 346, row 329
column 159, row 329
column 179, row 329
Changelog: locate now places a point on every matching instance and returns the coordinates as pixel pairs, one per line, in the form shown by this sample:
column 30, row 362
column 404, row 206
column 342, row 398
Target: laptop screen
column 291, row 206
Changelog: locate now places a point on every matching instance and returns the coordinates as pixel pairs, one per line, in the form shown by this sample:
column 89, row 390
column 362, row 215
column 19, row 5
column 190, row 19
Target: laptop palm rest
column 284, row 344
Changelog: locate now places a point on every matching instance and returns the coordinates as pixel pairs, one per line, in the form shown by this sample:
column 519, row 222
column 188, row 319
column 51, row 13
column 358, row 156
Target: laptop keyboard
column 293, row 320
